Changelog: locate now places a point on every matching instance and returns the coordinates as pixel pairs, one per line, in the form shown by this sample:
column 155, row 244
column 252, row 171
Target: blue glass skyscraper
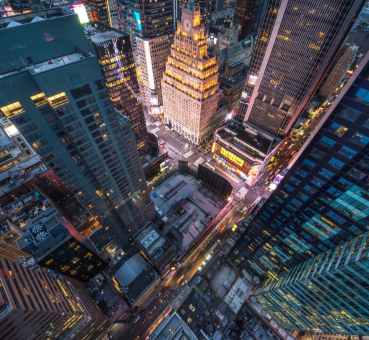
column 299, row 244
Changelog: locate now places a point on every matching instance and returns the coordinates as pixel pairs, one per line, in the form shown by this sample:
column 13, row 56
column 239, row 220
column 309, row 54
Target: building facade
column 115, row 56
column 54, row 93
column 245, row 16
column 30, row 225
column 328, row 293
column 151, row 27
column 320, row 210
column 44, row 304
column 190, row 83
column 345, row 59
column 240, row 149
column 277, row 86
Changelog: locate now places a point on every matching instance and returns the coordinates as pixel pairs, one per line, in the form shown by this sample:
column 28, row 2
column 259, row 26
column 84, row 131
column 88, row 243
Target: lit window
column 12, row 109
column 58, row 100
column 347, row 152
column 336, row 163
column 363, row 95
column 39, row 99
column 326, row 141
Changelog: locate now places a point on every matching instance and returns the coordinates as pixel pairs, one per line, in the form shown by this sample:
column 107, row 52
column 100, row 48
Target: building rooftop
column 135, row 276
column 56, row 62
column 151, row 240
column 99, row 37
column 28, row 18
column 18, row 162
column 246, row 139
column 237, row 295
column 47, row 35
column 173, row 328
column 186, row 206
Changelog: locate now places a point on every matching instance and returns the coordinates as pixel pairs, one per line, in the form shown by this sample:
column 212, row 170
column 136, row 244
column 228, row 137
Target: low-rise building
column 172, row 328
column 241, row 149
column 136, row 279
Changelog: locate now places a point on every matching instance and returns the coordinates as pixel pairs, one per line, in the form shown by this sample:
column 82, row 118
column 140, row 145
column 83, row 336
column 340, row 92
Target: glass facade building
column 328, row 293
column 308, row 244
column 297, row 40
column 150, row 24
column 53, row 91
column 115, row 55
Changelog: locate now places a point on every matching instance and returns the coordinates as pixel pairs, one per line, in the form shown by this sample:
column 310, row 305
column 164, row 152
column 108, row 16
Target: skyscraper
column 190, row 83
column 296, row 43
column 36, row 304
column 116, row 59
column 53, row 91
column 28, row 219
column 151, row 26
column 328, row 293
column 308, row 242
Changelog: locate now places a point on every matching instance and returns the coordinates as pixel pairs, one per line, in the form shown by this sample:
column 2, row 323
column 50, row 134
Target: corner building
column 308, row 244
column 190, row 82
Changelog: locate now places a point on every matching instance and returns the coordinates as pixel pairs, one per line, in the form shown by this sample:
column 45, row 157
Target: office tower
column 53, row 91
column 190, row 82
column 38, row 304
column 328, row 293
column 151, row 26
column 28, row 219
column 245, row 16
column 308, row 244
column 296, row 43
column 54, row 243
column 116, row 59
column 323, row 200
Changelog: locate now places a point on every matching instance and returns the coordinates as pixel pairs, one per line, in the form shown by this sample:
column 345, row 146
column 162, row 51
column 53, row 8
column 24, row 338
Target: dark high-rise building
column 308, row 243
column 328, row 293
column 28, row 219
column 38, row 304
column 151, row 26
column 149, row 19
column 245, row 16
column 115, row 56
column 297, row 40
column 53, row 91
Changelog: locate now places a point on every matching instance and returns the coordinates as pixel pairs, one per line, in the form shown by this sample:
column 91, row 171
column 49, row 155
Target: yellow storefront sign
column 232, row 157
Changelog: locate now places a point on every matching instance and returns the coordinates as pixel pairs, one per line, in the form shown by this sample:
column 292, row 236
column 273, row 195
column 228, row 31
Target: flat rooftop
column 55, row 63
column 246, row 139
column 173, row 328
column 99, row 37
column 135, row 276
column 29, row 18
column 186, row 206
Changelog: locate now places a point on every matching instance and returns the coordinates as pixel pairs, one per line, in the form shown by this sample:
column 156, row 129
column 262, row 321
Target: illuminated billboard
column 232, row 157
column 137, row 19
column 81, row 12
